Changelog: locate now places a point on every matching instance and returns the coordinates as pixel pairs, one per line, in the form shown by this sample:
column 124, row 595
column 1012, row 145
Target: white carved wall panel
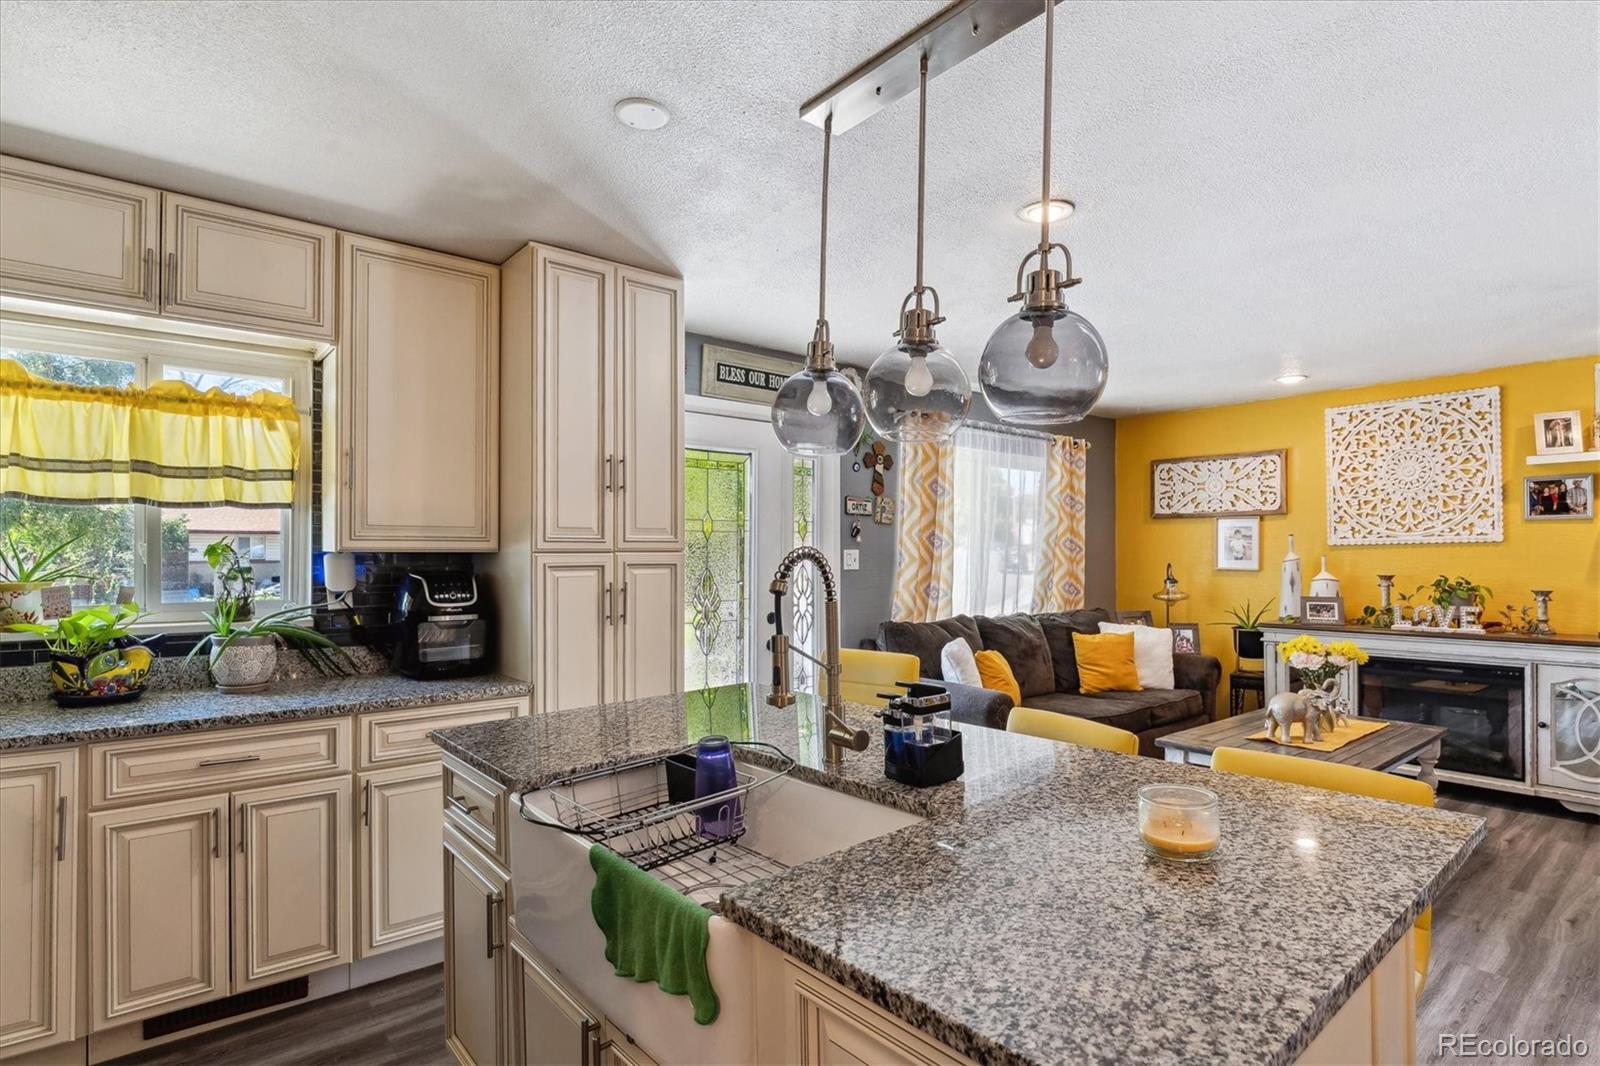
column 1218, row 485
column 1422, row 470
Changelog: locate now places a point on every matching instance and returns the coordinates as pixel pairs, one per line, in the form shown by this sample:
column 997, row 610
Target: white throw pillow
column 1152, row 652
column 959, row 665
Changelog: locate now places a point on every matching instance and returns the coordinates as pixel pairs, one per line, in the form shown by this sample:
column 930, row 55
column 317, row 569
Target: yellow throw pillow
column 996, row 674
column 1105, row 663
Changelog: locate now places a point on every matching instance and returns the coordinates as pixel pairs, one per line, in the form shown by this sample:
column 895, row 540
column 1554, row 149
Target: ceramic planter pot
column 21, row 601
column 247, row 664
column 1247, row 643
column 114, row 675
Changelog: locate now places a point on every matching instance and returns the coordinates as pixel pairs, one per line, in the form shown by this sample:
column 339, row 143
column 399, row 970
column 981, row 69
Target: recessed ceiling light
column 642, row 113
column 1291, row 377
column 1060, row 208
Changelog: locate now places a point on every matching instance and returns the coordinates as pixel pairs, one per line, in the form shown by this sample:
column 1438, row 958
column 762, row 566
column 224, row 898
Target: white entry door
column 747, row 502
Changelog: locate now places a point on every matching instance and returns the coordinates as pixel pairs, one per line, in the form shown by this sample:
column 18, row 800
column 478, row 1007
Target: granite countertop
column 36, row 723
column 1568, row 640
column 1022, row 922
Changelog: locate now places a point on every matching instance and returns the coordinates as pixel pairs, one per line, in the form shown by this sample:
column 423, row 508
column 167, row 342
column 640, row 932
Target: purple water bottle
column 713, row 773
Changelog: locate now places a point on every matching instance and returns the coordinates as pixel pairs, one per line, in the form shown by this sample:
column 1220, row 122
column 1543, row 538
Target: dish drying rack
column 631, row 809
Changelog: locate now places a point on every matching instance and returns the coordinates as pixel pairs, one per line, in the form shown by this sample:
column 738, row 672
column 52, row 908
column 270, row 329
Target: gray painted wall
column 865, row 595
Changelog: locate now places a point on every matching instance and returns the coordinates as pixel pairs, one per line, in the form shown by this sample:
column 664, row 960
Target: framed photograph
column 884, row 515
column 1322, row 610
column 1186, row 638
column 1238, row 544
column 1557, row 433
column 858, row 505
column 1551, row 498
column 1136, row 618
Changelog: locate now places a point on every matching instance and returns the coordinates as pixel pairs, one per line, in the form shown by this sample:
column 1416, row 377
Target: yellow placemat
column 1353, row 729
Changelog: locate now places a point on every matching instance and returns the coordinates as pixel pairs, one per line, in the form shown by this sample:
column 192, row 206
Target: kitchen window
column 154, row 555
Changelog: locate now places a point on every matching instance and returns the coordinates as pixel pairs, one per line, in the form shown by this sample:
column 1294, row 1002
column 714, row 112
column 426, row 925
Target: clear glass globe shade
column 818, row 413
column 1040, row 370
column 917, row 395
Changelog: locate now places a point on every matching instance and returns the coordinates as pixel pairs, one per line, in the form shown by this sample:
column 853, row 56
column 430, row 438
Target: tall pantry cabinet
column 591, row 488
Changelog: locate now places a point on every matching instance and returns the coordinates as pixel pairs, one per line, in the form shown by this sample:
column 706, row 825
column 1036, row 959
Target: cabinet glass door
column 1569, row 728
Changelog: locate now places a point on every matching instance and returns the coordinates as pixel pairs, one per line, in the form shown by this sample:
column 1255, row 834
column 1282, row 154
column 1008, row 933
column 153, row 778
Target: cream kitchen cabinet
column 235, row 267
column 476, row 967
column 291, row 881
column 608, row 626
column 158, row 908
column 553, row 1027
column 38, row 893
column 648, row 388
column 76, row 238
column 413, row 459
column 399, row 877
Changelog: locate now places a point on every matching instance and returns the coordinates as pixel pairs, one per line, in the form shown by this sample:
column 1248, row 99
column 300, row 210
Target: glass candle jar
column 1179, row 822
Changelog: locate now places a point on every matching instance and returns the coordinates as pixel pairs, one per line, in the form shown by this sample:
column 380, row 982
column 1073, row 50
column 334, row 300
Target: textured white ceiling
column 1378, row 190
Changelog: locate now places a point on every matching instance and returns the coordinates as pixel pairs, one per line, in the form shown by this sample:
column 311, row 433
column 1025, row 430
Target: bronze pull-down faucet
column 840, row 736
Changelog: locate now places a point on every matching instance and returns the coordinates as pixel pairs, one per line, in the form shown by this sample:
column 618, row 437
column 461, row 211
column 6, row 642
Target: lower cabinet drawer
column 388, row 738
column 475, row 805
column 165, row 767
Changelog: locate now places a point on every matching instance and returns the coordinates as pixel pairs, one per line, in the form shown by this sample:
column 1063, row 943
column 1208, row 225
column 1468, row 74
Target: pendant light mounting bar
column 960, row 31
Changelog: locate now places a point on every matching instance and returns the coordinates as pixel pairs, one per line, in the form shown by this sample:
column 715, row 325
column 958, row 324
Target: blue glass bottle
column 713, row 773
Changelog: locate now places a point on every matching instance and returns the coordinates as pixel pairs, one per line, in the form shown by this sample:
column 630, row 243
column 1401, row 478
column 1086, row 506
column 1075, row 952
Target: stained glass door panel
column 717, row 559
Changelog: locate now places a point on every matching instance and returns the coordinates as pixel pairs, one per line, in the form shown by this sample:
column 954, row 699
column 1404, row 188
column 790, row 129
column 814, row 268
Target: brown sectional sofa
column 1039, row 649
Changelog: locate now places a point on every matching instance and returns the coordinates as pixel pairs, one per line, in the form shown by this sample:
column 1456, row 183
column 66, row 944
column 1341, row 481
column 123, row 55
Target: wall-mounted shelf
column 1564, row 458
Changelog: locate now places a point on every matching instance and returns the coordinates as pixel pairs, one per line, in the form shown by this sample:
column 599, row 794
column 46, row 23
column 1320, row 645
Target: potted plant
column 233, row 578
column 94, row 658
column 244, row 655
column 1462, row 592
column 1247, row 637
column 23, row 573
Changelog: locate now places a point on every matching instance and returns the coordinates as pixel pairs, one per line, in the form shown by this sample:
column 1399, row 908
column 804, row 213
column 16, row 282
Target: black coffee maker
column 442, row 625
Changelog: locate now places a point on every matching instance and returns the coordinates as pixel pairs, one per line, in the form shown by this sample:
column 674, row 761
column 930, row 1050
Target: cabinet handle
column 350, row 468
column 147, row 284
column 605, row 602
column 1544, row 725
column 622, row 474
column 61, row 829
column 230, row 761
column 608, row 473
column 588, row 1032
column 488, row 925
column 366, row 802
column 242, row 809
column 622, row 615
column 216, row 834
column 169, row 291
column 460, row 803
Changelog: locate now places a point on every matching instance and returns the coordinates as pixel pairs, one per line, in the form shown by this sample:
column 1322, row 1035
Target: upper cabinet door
column 78, row 238
column 649, row 474
column 650, row 613
column 574, row 450
column 158, row 908
column 416, row 460
column 39, row 860
column 291, row 881
column 243, row 268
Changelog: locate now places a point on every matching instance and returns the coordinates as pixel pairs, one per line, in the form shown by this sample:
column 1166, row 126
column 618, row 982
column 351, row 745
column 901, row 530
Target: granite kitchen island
column 1021, row 921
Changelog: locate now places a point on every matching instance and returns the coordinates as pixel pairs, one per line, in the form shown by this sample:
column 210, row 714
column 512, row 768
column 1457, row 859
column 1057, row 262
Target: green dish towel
column 652, row 932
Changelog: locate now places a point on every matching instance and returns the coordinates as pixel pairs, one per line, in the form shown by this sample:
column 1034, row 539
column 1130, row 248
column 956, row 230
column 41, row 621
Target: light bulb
column 1042, row 349
column 919, row 379
column 819, row 402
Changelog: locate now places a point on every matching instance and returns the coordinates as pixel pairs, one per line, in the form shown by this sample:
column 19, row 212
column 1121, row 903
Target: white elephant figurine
column 1286, row 708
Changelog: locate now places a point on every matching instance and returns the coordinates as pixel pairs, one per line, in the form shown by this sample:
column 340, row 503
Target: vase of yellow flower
column 1318, row 662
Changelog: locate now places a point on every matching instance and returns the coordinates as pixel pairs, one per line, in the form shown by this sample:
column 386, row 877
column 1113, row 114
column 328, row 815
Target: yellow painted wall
column 1561, row 555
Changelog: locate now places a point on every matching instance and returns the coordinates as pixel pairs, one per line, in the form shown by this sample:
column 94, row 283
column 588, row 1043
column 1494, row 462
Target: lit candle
column 1178, row 822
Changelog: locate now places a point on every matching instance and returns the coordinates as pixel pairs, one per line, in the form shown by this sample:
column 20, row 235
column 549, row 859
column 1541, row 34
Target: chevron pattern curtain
column 924, row 571
column 1059, row 584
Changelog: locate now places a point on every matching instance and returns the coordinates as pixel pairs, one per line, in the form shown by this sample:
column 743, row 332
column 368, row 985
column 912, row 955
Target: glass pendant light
column 818, row 411
column 1045, row 364
column 916, row 391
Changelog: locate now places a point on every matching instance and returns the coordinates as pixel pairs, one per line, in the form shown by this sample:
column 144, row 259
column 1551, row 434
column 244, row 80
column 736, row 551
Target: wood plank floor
column 1516, row 950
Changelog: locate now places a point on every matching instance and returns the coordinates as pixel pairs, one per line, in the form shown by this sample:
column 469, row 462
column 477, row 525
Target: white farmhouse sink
column 787, row 822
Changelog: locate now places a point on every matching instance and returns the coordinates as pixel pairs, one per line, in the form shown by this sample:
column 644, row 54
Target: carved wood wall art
column 1217, row 486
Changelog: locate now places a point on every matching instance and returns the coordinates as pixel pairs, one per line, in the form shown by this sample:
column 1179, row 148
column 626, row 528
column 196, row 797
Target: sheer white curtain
column 999, row 519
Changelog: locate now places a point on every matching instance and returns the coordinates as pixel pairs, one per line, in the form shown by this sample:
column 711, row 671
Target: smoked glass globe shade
column 917, row 395
column 818, row 413
column 1043, row 368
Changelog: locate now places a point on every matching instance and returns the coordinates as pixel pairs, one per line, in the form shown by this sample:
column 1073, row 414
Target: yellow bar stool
column 1070, row 730
column 863, row 674
column 1338, row 778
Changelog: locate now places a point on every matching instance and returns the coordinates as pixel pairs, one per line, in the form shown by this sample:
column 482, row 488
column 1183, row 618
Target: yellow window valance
column 166, row 444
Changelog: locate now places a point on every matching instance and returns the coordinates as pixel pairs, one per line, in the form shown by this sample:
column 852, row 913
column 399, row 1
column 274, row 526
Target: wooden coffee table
column 1388, row 748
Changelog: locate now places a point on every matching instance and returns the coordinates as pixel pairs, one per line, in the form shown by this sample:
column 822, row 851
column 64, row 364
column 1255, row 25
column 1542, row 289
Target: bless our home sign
column 746, row 376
